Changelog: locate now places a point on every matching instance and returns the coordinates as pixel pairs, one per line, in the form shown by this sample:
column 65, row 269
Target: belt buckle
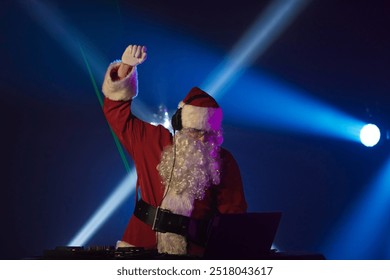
column 157, row 217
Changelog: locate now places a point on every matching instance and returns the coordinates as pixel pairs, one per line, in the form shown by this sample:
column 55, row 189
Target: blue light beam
column 267, row 27
column 261, row 101
column 72, row 41
column 125, row 188
column 67, row 36
column 357, row 234
column 265, row 101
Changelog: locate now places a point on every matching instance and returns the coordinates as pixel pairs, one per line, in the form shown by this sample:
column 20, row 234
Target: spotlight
column 370, row 135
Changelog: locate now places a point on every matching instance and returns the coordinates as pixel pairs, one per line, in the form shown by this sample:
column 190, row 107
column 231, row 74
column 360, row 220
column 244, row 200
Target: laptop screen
column 242, row 236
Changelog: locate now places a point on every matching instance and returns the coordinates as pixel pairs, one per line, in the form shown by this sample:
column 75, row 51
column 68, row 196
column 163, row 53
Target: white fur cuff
column 121, row 90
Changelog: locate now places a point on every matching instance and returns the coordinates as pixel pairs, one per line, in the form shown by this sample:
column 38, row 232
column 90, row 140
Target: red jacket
column 145, row 143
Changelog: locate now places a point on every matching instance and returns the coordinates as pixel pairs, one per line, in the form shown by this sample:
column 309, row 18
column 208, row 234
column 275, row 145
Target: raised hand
column 134, row 55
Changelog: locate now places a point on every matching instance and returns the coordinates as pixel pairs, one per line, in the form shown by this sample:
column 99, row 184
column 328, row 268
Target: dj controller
column 106, row 253
column 140, row 253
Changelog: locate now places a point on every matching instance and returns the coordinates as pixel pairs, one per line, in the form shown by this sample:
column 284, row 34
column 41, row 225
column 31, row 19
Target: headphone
column 176, row 121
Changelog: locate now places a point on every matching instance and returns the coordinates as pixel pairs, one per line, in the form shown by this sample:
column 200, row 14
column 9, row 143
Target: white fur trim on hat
column 201, row 118
column 121, row 90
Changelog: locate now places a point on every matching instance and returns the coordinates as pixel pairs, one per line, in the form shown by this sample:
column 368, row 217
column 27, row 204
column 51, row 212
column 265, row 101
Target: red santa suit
column 145, row 143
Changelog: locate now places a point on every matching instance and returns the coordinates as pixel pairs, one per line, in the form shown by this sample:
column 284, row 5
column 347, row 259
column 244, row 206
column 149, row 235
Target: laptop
column 242, row 236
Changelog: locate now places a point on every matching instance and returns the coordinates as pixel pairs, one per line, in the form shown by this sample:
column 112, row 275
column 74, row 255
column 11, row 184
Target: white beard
column 196, row 167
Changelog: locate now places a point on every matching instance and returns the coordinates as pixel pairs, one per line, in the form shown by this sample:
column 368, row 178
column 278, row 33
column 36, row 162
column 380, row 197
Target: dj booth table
column 137, row 253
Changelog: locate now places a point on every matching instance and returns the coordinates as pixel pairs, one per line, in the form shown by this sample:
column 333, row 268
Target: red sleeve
column 230, row 193
column 136, row 135
column 123, row 122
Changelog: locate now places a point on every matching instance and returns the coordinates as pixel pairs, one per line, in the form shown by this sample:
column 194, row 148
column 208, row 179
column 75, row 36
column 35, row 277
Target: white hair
column 187, row 169
column 197, row 163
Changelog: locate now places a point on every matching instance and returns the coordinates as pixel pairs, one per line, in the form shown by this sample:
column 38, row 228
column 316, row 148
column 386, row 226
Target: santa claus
column 185, row 178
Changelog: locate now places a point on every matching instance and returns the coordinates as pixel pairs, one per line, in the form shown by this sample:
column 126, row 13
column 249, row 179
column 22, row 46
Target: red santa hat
column 200, row 111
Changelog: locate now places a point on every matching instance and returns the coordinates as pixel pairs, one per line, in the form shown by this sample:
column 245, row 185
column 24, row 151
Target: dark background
column 59, row 160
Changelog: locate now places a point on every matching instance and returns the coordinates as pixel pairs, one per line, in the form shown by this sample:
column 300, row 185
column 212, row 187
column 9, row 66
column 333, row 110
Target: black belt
column 163, row 220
